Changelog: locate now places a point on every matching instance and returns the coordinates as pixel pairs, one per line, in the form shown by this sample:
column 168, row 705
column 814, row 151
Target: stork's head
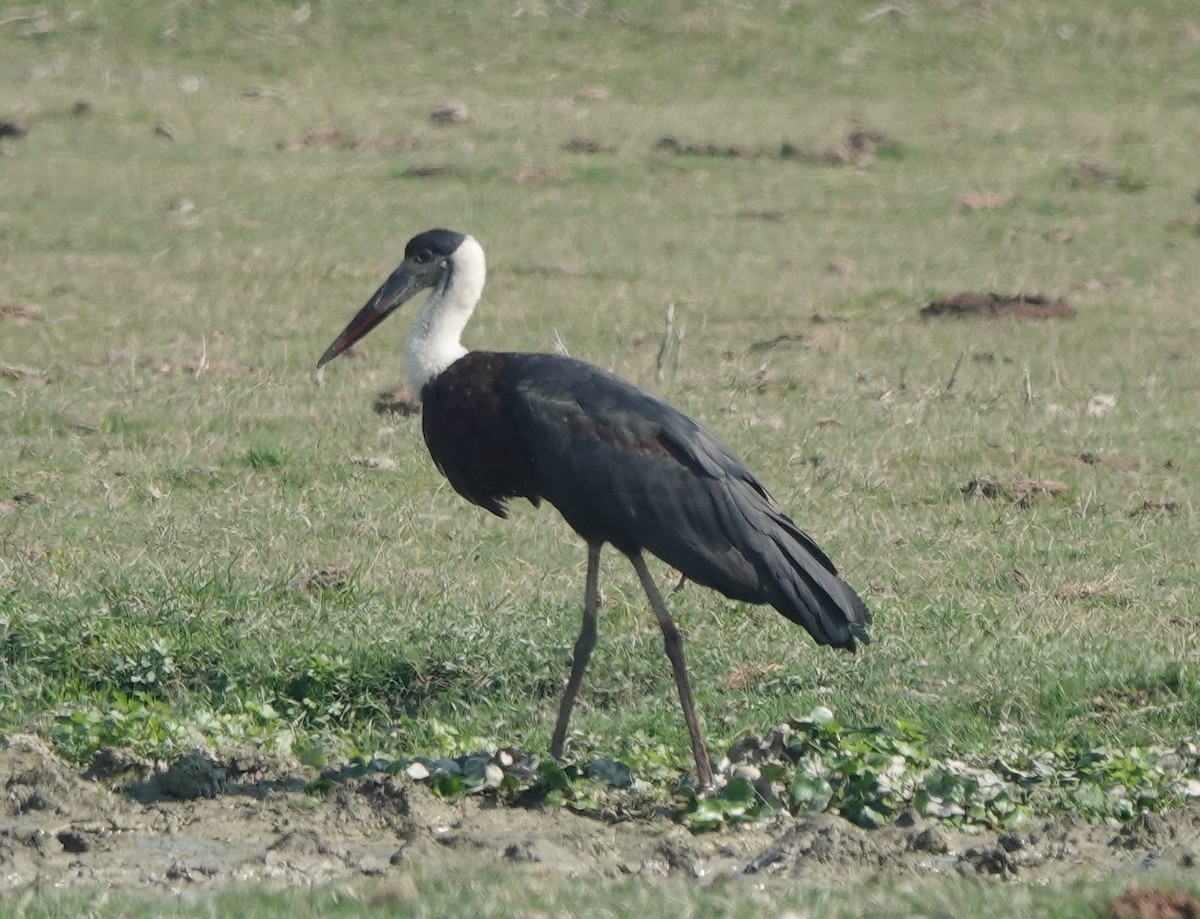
column 428, row 263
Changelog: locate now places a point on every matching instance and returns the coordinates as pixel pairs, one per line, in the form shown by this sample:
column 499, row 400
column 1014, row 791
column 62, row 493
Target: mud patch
column 588, row 145
column 1088, row 171
column 333, row 139
column 1149, row 508
column 1103, row 591
column 11, row 130
column 527, row 175
column 327, row 577
column 121, row 829
column 431, row 171
column 992, row 306
column 399, row 400
column 1107, row 461
column 767, row 215
column 16, row 373
column 860, row 148
column 676, row 147
column 21, row 314
column 1139, row 902
column 21, row 500
column 450, row 113
column 1018, row 491
column 783, row 340
column 981, row 200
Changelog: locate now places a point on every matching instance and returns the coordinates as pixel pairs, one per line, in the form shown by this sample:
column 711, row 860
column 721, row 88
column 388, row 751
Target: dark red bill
column 398, row 288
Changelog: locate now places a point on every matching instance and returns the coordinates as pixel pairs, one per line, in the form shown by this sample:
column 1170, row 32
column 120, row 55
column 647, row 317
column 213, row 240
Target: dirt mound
column 1020, row 491
column 1019, row 306
column 1146, row 903
column 333, row 139
column 131, row 825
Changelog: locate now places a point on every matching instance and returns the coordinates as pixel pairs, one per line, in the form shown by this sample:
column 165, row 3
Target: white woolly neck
column 436, row 339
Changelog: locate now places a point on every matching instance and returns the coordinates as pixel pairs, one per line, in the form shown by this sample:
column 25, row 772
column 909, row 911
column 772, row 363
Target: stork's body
column 621, row 466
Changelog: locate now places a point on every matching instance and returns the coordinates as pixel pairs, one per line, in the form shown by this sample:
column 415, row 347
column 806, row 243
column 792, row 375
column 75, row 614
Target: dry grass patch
column 1020, row 491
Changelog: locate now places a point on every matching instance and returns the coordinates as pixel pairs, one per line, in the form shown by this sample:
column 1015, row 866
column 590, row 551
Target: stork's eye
column 423, row 257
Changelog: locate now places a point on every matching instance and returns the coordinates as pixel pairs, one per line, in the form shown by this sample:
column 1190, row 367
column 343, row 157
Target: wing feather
column 626, row 468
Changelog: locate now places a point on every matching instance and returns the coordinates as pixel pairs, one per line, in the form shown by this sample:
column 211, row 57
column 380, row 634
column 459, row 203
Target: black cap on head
column 439, row 242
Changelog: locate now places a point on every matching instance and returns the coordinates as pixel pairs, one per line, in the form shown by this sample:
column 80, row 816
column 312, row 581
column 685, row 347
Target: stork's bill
column 403, row 285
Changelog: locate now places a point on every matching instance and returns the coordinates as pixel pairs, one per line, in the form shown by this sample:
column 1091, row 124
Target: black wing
column 626, row 468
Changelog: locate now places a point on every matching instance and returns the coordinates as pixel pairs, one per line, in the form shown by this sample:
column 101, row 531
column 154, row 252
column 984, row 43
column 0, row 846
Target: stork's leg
column 674, row 646
column 583, row 649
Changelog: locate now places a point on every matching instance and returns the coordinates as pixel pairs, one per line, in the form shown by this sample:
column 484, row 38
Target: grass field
column 207, row 192
column 491, row 896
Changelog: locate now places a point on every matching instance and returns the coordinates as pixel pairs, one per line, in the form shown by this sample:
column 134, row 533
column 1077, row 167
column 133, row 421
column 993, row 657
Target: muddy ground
column 124, row 828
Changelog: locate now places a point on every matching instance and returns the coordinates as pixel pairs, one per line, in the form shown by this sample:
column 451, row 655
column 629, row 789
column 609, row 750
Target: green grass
column 486, row 894
column 180, row 509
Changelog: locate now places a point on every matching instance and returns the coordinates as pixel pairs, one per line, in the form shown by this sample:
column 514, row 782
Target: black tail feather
column 799, row 579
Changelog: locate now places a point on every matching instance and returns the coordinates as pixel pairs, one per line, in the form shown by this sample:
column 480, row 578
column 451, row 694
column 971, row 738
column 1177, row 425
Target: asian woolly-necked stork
column 621, row 466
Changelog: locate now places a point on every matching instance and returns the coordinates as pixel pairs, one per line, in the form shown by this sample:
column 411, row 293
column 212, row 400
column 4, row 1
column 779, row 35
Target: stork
column 622, row 467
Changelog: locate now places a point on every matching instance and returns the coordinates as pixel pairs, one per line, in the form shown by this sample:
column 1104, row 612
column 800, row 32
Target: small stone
column 416, row 771
column 493, row 775
column 747, row 772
